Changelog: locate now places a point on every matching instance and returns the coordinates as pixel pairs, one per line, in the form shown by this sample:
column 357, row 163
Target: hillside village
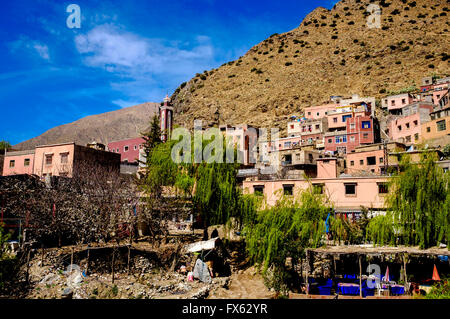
column 312, row 198
column 342, row 149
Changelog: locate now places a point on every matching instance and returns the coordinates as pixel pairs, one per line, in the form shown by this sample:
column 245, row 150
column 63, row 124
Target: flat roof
column 370, row 249
column 19, row 153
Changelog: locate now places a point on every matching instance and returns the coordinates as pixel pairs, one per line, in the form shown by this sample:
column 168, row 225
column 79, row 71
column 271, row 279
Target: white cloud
column 32, row 46
column 145, row 68
column 42, row 50
column 109, row 47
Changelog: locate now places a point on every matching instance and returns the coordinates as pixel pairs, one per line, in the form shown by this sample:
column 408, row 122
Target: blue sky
column 125, row 53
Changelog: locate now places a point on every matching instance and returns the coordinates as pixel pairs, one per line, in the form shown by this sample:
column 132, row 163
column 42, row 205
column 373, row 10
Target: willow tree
column 285, row 229
column 418, row 206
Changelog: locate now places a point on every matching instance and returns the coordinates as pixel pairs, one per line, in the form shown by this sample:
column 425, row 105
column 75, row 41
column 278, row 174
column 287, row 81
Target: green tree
column 152, row 137
column 418, row 206
column 4, row 145
column 285, row 229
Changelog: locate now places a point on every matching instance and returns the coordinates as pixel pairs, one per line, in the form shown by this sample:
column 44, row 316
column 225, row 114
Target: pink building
column 245, row 137
column 395, row 102
column 359, row 130
column 18, row 162
column 128, row 149
column 407, row 129
column 439, row 91
column 64, row 159
column 347, row 194
column 318, row 112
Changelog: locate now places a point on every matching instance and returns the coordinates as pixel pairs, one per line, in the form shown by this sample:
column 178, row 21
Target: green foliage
column 419, row 206
column 152, row 137
column 7, row 262
column 4, row 145
column 440, row 291
column 286, row 229
column 446, row 151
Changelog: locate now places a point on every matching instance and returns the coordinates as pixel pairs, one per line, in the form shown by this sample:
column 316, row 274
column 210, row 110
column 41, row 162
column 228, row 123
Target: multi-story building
column 407, row 127
column 245, row 137
column 395, row 103
column 128, row 149
column 348, row 195
column 439, row 123
column 359, row 130
column 373, row 159
column 66, row 160
column 320, row 111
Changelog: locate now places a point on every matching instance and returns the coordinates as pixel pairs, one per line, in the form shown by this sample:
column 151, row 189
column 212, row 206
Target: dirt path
column 243, row 285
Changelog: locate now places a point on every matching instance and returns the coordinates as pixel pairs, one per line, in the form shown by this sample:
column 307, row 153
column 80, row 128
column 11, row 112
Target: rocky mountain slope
column 104, row 128
column 332, row 52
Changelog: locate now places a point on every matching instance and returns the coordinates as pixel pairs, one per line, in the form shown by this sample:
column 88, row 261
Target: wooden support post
column 42, row 255
column 112, row 267
column 87, row 260
column 307, row 272
column 71, row 260
column 28, row 263
column 404, row 272
column 360, row 277
column 128, row 264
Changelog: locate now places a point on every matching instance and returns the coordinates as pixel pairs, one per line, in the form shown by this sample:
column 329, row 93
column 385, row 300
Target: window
column 135, row 147
column 372, row 160
column 48, row 159
column 407, row 126
column 330, row 141
column 318, row 114
column 317, row 126
column 350, row 189
column 117, row 150
column 345, row 117
column 393, row 102
column 352, row 126
column 382, row 188
column 428, row 129
column 365, row 124
column 125, row 149
column 12, row 163
column 311, row 158
column 416, row 136
column 64, row 158
column 292, row 126
column 361, row 162
column 441, row 126
column 399, row 127
column 287, row 144
column 352, row 138
column 318, row 188
column 403, row 101
column 408, row 138
column 26, row 162
column 365, row 135
column 381, row 160
column 258, row 190
column 334, row 119
column 309, row 113
column 352, row 163
column 288, row 190
column 415, row 123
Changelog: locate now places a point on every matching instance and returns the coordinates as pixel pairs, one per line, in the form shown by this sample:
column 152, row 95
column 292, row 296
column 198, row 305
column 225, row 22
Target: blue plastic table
column 348, row 289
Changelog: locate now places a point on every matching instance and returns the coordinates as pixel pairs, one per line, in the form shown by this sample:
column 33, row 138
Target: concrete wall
column 367, row 191
column 19, row 163
column 56, row 168
column 134, row 145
